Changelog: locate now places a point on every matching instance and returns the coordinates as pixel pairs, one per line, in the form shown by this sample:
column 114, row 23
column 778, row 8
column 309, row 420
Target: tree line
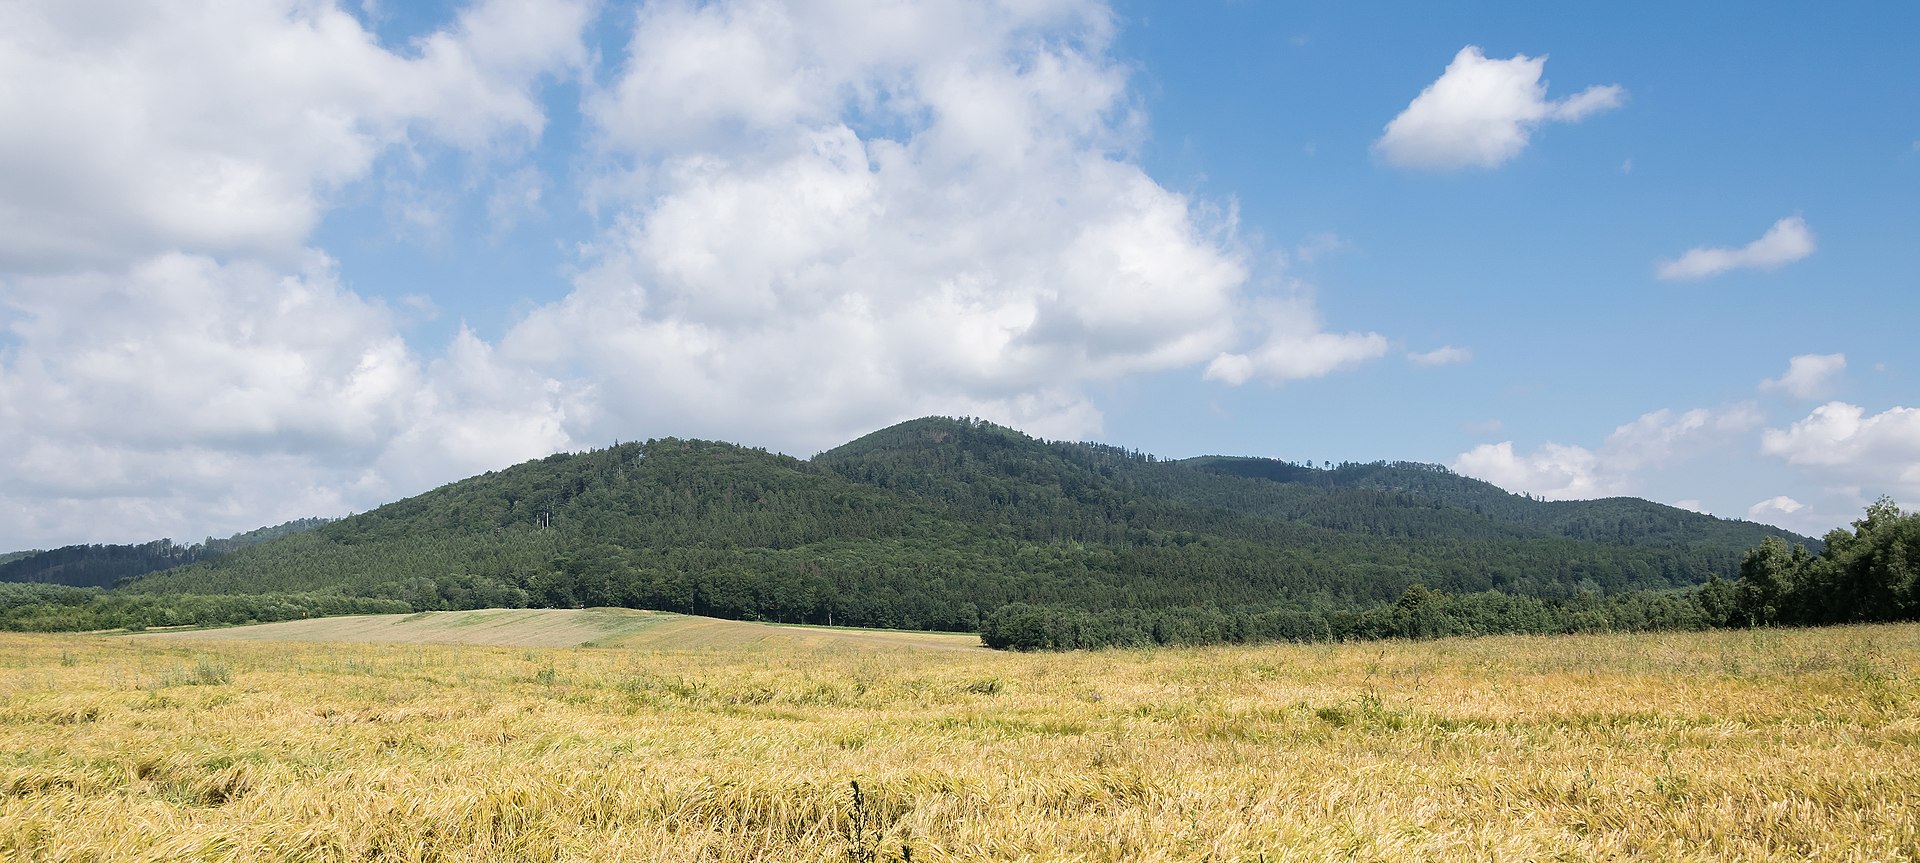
column 1870, row 573
column 61, row 608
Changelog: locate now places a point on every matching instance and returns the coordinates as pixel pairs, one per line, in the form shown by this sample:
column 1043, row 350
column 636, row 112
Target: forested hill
column 935, row 523
column 1621, row 520
column 986, row 465
column 102, row 565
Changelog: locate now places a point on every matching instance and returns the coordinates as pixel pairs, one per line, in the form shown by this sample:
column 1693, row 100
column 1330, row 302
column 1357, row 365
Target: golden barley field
column 1768, row 745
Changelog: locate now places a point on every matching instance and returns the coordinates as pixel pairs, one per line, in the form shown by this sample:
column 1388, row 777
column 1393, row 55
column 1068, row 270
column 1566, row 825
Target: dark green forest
column 33, row 607
column 1868, row 574
column 98, row 565
column 103, row 565
column 961, row 525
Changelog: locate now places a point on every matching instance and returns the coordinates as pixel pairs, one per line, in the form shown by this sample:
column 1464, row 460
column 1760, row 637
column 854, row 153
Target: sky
column 274, row 259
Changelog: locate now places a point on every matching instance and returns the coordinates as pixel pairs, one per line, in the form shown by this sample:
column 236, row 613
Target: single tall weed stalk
column 859, row 850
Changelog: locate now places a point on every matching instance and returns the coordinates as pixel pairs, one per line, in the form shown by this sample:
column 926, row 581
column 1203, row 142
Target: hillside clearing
column 548, row 627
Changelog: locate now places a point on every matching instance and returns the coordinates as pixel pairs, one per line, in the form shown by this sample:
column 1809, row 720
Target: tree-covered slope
column 97, row 565
column 1465, row 534
column 1615, row 520
column 933, row 524
column 103, row 565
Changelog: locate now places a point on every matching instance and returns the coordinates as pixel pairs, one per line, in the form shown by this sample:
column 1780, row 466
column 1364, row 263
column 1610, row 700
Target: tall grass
column 1789, row 745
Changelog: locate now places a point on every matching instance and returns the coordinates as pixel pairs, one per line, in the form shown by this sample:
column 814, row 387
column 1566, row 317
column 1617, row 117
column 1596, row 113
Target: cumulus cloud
column 1808, row 376
column 1660, row 437
column 1555, row 471
column 1807, row 519
column 1482, row 113
column 183, row 393
column 810, row 219
column 1836, row 507
column 1442, row 356
column 237, row 355
column 829, row 218
column 178, row 359
column 1296, row 349
column 224, row 127
column 474, row 411
column 1842, row 445
column 1774, row 508
column 1787, row 241
column 1567, row 472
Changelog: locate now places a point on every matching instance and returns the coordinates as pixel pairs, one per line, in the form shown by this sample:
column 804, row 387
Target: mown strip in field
column 547, row 627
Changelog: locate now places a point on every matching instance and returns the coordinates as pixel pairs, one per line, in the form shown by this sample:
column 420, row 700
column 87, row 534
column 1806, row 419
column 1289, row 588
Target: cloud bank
column 1569, row 472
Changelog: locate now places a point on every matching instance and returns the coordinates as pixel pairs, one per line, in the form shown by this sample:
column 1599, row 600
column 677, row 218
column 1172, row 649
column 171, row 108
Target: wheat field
column 1767, row 745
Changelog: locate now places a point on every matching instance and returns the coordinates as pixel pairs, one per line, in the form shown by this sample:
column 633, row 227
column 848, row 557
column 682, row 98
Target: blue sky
column 289, row 259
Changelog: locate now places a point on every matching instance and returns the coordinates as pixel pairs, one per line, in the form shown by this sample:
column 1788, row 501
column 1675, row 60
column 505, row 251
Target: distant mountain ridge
column 934, row 523
column 103, row 565
column 1627, row 520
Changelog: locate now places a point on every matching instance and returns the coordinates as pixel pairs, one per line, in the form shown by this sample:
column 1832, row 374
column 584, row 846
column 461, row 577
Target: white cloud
column 1787, row 241
column 1835, row 509
column 1553, row 471
column 1841, row 445
column 1661, row 437
column 1442, row 356
column 1296, row 349
column 200, row 352
column 1803, row 518
column 1481, row 113
column 224, row 127
column 829, row 218
column 473, row 412
column 177, row 359
column 966, row 80
column 1774, row 508
column 183, row 394
column 1563, row 472
column 1808, row 376
column 1692, row 505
